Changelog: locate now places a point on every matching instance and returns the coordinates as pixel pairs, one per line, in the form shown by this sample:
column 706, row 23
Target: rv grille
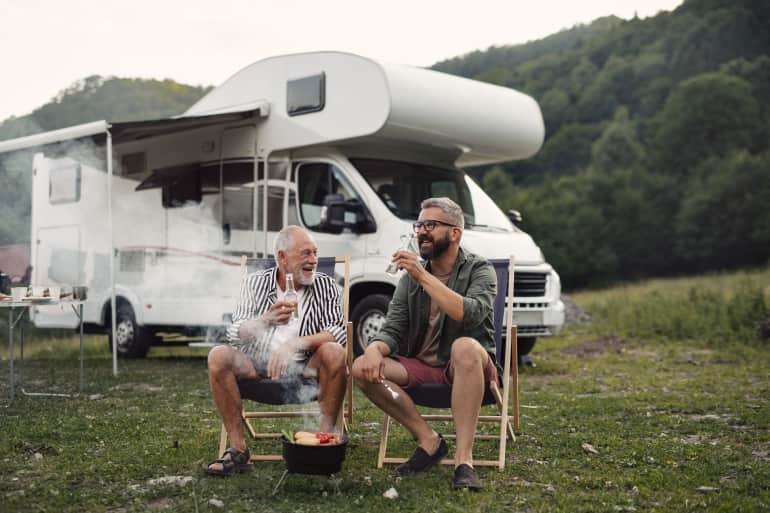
column 529, row 284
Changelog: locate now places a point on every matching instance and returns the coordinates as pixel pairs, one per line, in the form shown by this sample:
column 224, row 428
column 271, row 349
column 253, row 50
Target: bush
column 699, row 312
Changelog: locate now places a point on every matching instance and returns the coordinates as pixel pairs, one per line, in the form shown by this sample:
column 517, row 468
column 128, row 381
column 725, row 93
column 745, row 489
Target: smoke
column 168, row 260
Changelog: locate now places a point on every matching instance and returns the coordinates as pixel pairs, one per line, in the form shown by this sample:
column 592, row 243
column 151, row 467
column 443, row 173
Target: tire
column 133, row 341
column 525, row 345
column 368, row 317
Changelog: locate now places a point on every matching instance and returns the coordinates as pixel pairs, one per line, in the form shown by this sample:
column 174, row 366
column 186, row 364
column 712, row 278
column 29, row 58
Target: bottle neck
column 289, row 282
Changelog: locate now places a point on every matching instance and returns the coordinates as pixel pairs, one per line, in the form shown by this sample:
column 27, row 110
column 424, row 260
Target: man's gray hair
column 451, row 209
column 284, row 241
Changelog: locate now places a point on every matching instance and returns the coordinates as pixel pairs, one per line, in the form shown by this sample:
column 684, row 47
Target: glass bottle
column 408, row 243
column 291, row 295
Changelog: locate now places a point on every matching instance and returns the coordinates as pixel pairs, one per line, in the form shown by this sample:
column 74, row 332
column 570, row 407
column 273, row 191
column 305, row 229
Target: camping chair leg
column 350, row 376
column 383, row 441
column 515, row 379
column 340, row 424
column 222, row 440
column 499, row 400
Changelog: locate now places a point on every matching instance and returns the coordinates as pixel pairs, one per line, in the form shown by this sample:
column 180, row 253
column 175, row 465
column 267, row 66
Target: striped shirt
column 322, row 306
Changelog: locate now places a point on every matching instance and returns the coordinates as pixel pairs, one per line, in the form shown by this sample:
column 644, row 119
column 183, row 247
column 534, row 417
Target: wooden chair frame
column 345, row 418
column 502, row 399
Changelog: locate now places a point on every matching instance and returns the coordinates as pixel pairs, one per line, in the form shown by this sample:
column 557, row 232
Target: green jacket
column 474, row 278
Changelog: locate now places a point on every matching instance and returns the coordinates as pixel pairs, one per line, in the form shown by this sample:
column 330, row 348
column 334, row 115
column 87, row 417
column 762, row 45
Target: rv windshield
column 403, row 185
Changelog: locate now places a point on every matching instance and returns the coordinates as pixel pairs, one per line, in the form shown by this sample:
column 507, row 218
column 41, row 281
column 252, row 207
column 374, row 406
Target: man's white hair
column 284, row 241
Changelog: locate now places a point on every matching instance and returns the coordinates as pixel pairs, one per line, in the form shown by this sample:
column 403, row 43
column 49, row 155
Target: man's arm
column 386, row 343
column 447, row 300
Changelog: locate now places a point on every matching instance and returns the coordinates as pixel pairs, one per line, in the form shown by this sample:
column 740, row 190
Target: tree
column 724, row 221
column 705, row 116
column 618, row 147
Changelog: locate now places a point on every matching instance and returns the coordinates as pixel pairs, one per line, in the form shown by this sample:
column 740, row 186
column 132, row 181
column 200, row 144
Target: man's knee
column 467, row 353
column 220, row 358
column 331, row 356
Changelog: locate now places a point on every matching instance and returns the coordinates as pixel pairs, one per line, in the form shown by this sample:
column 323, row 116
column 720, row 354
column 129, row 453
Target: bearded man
column 439, row 329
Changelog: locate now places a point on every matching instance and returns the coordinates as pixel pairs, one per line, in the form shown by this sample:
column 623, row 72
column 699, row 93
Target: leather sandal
column 232, row 461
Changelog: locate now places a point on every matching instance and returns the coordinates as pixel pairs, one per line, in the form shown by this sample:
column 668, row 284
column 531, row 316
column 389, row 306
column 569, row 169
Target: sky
column 46, row 45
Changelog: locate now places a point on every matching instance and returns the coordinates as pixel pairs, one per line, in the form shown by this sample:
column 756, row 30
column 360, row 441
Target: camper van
column 154, row 216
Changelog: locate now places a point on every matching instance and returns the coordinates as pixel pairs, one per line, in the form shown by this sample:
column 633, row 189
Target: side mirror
column 515, row 217
column 333, row 213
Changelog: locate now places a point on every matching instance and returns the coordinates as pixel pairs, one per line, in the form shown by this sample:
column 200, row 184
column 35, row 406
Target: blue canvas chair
column 288, row 391
column 439, row 395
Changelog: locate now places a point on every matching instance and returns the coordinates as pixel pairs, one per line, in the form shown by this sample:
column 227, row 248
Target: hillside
column 656, row 156
column 656, row 159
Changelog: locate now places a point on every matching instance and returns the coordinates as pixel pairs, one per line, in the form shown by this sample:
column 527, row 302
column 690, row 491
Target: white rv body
column 189, row 196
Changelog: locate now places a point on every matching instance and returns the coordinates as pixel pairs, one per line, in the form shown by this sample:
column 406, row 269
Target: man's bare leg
column 402, row 408
column 328, row 362
column 468, row 360
column 225, row 366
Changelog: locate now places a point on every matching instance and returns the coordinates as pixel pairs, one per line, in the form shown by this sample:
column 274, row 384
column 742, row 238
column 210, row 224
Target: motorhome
column 158, row 213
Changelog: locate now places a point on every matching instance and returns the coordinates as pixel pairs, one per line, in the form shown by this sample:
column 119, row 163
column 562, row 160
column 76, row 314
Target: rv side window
column 64, row 184
column 317, row 180
column 305, row 95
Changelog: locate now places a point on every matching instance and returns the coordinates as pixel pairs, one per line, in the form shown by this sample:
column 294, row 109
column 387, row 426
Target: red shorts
column 420, row 372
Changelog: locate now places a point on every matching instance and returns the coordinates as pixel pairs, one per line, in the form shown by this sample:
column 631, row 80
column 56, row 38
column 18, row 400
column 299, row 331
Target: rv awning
column 131, row 130
column 135, row 130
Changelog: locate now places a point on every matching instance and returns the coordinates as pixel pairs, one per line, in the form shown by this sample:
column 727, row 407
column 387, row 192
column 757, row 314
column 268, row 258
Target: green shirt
column 474, row 278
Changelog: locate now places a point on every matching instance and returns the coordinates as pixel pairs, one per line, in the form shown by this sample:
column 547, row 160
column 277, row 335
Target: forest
column 657, row 153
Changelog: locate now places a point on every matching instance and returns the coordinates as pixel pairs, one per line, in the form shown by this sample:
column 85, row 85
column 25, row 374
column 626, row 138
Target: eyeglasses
column 429, row 225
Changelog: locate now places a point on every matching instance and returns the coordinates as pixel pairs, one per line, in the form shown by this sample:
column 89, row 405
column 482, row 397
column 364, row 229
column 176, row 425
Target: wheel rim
column 370, row 324
column 124, row 334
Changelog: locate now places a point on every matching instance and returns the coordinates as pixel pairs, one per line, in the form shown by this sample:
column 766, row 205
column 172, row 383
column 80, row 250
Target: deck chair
column 290, row 392
column 439, row 395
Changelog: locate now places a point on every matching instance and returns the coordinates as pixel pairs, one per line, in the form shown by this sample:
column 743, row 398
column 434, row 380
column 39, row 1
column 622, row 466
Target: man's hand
column 372, row 364
column 279, row 313
column 281, row 356
column 409, row 262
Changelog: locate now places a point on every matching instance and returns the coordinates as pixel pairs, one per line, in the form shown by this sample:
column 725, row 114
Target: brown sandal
column 232, row 460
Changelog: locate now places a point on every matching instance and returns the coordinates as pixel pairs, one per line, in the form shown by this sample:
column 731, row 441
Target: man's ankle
column 431, row 444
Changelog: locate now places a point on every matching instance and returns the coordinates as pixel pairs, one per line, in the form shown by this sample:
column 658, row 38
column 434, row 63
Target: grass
column 677, row 423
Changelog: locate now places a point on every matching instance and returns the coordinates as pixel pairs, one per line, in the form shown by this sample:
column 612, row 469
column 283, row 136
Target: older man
column 312, row 344
column 438, row 330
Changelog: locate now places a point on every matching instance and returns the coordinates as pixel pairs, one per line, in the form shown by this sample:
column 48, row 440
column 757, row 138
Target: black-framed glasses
column 429, row 225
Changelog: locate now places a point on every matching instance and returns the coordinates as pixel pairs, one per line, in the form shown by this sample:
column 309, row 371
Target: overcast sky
column 46, row 45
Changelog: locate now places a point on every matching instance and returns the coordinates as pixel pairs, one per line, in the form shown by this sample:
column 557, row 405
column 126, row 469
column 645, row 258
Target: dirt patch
column 610, row 344
column 161, row 503
column 138, row 387
column 762, row 452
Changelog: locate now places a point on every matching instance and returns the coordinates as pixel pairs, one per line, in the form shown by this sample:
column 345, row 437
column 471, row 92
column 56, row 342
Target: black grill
column 529, row 284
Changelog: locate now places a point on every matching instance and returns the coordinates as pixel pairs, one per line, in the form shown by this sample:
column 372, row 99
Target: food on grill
column 317, row 438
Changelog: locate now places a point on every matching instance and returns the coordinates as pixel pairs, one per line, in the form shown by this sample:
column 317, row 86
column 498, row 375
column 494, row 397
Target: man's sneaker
column 421, row 460
column 465, row 477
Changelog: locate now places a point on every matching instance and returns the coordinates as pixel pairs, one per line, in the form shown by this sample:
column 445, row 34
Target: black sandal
column 238, row 461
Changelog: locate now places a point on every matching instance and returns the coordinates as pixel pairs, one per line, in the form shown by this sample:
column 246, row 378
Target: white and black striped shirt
column 322, row 305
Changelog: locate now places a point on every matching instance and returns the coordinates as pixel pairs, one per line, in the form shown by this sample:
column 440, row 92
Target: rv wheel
column 368, row 318
column 133, row 341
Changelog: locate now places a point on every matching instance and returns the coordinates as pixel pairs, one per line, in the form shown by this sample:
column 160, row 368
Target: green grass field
column 667, row 386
